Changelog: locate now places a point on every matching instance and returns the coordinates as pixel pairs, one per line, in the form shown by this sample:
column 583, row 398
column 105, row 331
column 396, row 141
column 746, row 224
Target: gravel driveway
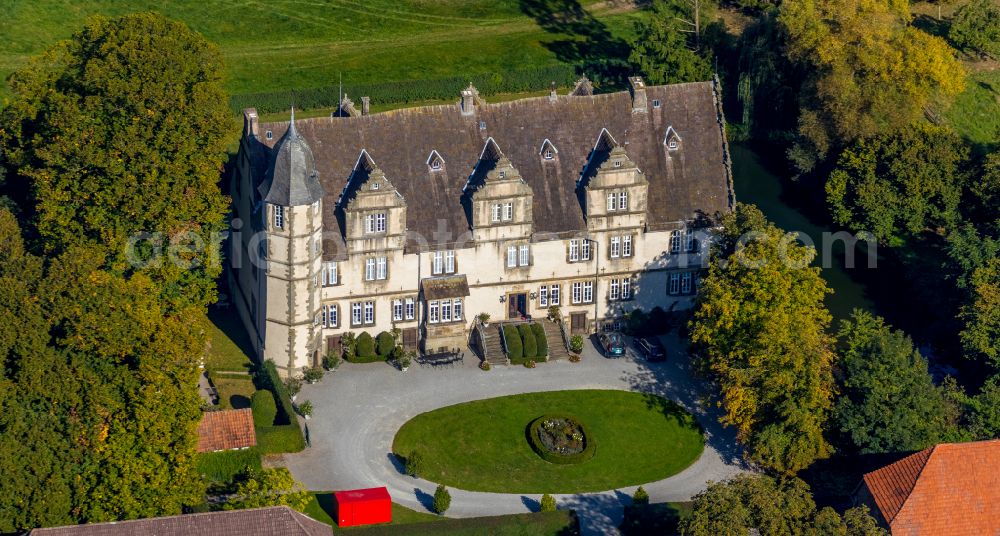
column 359, row 408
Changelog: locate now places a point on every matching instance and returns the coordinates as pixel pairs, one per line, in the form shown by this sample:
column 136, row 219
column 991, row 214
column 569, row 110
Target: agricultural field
column 284, row 45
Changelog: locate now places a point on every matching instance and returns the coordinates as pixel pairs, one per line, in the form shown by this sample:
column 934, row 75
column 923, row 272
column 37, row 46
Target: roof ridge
column 916, row 477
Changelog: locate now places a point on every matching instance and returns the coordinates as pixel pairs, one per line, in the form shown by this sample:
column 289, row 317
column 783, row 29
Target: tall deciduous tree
column 268, row 487
column 665, row 50
column 759, row 328
column 871, row 71
column 889, row 402
column 120, row 130
column 899, row 184
column 981, row 336
column 769, row 506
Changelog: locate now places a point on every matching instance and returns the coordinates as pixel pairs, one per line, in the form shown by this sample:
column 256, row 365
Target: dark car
column 612, row 344
column 651, row 349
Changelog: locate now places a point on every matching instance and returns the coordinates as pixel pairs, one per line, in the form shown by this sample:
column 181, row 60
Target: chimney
column 469, row 98
column 552, row 91
column 250, row 122
column 638, row 94
column 365, row 105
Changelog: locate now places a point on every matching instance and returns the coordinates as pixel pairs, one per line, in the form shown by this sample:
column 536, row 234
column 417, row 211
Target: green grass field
column 975, row 114
column 294, row 44
column 481, row 445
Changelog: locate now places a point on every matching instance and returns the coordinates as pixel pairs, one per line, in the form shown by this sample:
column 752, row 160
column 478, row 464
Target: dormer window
column 269, row 135
column 434, row 161
column 482, row 125
column 672, row 145
column 502, row 174
column 656, row 103
column 618, row 163
column 279, row 217
column 548, row 155
column 672, row 140
column 548, row 151
column 436, row 164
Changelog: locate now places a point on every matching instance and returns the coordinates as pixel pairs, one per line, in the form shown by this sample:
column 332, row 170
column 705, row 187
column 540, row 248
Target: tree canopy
column 888, row 400
column 981, row 336
column 268, row 487
column 976, row 27
column 120, row 130
column 759, row 329
column 870, row 71
column 770, row 506
column 663, row 51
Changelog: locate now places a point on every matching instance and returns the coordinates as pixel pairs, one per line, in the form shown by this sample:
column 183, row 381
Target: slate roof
column 948, row 489
column 291, row 177
column 271, row 521
column 225, row 430
column 691, row 182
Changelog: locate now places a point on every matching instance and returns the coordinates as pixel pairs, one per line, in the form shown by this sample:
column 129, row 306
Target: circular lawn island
column 552, row 442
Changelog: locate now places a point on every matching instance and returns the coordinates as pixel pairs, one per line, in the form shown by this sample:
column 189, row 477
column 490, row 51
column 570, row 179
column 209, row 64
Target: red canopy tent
column 363, row 507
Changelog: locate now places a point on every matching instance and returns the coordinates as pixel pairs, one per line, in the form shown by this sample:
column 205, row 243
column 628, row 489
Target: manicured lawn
column 234, row 391
column 286, row 44
column 229, row 347
column 976, row 112
column 222, row 466
column 481, row 445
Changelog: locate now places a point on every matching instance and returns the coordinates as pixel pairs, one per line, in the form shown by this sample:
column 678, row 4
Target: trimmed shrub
column 263, row 407
column 640, row 496
column 268, row 379
column 576, row 344
column 365, row 346
column 331, row 361
column 529, row 347
column 223, row 466
column 536, row 443
column 313, row 375
column 547, row 503
column 413, row 464
column 385, row 344
column 514, row 349
column 541, row 343
column 280, row 439
column 442, row 499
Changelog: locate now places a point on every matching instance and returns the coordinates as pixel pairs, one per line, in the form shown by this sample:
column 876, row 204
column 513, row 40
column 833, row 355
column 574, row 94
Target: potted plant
column 313, row 375
column 305, row 409
column 294, row 385
column 485, row 365
column 484, row 319
column 405, row 359
column 555, row 313
column 331, row 361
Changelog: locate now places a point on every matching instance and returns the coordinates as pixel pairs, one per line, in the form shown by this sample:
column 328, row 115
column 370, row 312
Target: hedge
column 536, row 445
column 385, row 343
column 541, row 343
column 515, row 352
column 263, row 408
column 223, row 466
column 527, row 341
column 365, row 346
column 280, row 439
column 401, row 92
column 269, row 379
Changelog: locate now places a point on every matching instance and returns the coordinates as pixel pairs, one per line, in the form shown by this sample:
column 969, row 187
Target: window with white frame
column 576, row 294
column 574, row 250
column 410, row 309
column 690, row 242
column 579, row 249
column 626, row 289
column 525, row 255
column 674, row 285
column 554, row 295
column 279, row 217
column 686, row 278
column 329, row 274
column 623, row 200
column 397, row 310
column 676, row 239
column 548, row 154
column 495, row 212
column 437, row 263
column 612, row 201
column 508, row 211
column 369, row 312
column 449, row 261
column 511, row 256
column 456, row 309
column 613, row 289
column 615, row 250
column 330, row 316
column 375, row 223
column 432, row 312
column 585, row 250
column 543, row 296
column 588, row 291
column 444, row 311
column 356, row 314
column 269, row 134
column 381, row 268
column 627, row 246
column 370, row 269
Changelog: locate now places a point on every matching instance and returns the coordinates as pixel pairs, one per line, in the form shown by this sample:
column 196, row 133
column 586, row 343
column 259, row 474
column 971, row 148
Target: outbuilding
column 363, row 507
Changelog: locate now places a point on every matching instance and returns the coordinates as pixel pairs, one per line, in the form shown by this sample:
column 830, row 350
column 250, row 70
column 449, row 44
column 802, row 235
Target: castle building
column 422, row 218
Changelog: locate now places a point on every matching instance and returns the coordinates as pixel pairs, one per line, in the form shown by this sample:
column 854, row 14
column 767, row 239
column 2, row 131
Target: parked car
column 651, row 349
column 612, row 344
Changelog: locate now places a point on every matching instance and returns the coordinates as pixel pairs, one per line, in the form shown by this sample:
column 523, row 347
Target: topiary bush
column 576, row 344
column 640, row 496
column 547, row 504
column 442, row 499
column 384, row 344
column 280, row 439
column 365, row 346
column 529, row 347
column 413, row 464
column 514, row 349
column 541, row 343
column 263, row 407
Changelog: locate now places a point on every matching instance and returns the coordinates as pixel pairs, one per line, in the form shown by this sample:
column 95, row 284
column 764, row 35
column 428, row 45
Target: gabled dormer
column 671, row 141
column 613, row 188
column 435, row 163
column 371, row 210
column 548, row 152
column 498, row 201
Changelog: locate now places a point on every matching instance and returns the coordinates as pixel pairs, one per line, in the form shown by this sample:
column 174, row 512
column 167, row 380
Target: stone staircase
column 557, row 349
column 494, row 351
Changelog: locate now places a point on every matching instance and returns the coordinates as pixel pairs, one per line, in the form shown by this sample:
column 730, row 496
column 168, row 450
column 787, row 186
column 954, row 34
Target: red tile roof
column 225, row 430
column 948, row 489
column 270, row 521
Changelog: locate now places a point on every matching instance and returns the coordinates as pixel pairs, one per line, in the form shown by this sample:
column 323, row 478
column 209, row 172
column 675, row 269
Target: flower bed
column 561, row 439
